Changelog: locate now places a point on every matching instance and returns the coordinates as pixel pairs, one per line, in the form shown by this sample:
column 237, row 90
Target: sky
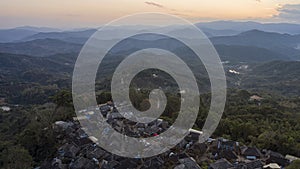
column 92, row 13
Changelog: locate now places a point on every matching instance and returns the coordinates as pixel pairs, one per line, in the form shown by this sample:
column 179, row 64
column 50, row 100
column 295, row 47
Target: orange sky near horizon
column 86, row 13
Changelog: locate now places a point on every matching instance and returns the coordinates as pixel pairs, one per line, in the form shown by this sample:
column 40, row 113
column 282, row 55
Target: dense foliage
column 27, row 138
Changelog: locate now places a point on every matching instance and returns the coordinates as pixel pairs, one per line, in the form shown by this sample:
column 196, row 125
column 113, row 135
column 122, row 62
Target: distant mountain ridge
column 10, row 35
column 250, row 46
column 39, row 29
column 249, row 25
column 65, row 35
column 211, row 29
column 18, row 33
column 238, row 53
column 40, row 47
column 258, row 37
column 285, row 44
column 232, row 44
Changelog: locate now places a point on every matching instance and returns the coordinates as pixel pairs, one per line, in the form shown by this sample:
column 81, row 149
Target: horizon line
column 96, row 27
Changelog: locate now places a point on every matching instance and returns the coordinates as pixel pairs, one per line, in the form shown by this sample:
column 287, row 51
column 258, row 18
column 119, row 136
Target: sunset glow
column 80, row 13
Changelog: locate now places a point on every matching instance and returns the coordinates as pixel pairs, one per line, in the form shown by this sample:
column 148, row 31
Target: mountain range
column 253, row 45
column 256, row 56
column 285, row 44
column 216, row 28
column 249, row 25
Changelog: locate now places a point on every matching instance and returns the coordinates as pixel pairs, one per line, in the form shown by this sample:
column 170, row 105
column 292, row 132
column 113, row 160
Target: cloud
column 289, row 12
column 170, row 10
column 181, row 13
column 154, row 4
